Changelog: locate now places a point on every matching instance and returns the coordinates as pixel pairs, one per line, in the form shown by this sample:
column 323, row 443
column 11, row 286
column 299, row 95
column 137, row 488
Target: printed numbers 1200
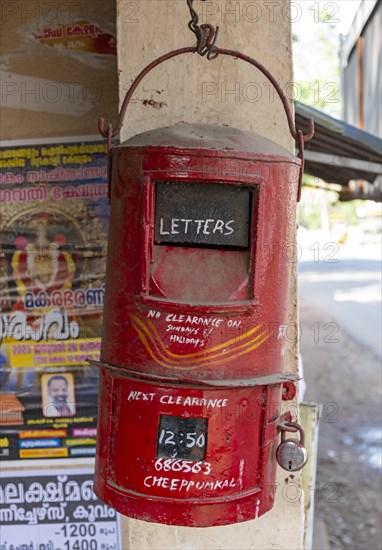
column 73, row 531
column 185, row 466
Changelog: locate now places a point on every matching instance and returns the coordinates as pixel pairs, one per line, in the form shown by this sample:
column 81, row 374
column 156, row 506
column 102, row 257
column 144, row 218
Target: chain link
column 206, row 34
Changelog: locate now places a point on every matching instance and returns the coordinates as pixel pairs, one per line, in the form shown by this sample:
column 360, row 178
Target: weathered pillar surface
column 192, row 89
column 223, row 91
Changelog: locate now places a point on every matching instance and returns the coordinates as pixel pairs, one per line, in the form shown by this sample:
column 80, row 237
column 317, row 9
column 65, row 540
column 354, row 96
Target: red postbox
column 201, row 225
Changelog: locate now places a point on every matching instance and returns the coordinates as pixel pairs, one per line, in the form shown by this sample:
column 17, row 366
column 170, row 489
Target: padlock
column 291, row 454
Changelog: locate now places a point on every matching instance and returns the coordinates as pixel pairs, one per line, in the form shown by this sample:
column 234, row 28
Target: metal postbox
column 202, row 219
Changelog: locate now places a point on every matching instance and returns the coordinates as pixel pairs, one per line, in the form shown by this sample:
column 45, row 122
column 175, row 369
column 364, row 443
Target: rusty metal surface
column 227, row 474
column 275, row 378
column 210, row 313
column 195, row 319
column 195, row 331
column 298, row 135
column 206, row 34
column 218, row 138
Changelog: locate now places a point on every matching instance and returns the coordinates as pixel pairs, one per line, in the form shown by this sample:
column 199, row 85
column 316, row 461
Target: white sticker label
column 55, row 510
column 56, row 536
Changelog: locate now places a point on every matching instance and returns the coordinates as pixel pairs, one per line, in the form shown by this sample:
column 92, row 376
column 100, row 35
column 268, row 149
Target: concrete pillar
column 224, row 91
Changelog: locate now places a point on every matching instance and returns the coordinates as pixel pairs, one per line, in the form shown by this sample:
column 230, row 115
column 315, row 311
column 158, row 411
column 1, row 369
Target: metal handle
column 298, row 135
column 293, row 427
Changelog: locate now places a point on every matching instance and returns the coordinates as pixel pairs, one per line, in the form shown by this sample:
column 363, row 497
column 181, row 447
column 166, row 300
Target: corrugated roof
column 337, row 141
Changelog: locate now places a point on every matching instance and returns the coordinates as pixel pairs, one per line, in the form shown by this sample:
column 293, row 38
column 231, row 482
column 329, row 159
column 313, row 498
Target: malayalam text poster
column 55, row 510
column 53, row 228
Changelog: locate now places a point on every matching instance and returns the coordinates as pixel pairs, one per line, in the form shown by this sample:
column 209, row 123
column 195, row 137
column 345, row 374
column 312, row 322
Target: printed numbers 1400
column 78, row 534
column 83, row 544
column 185, row 466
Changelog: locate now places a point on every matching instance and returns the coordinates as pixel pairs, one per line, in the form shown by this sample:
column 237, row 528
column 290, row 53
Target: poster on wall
column 55, row 510
column 53, row 232
column 58, row 68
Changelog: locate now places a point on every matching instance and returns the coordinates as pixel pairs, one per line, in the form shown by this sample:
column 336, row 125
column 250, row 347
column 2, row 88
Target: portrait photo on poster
column 57, row 392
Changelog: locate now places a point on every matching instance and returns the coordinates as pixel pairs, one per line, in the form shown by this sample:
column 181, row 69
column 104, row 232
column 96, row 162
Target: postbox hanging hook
column 298, row 135
column 206, row 34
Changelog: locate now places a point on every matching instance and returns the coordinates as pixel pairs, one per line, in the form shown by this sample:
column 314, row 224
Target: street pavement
column 344, row 282
column 340, row 322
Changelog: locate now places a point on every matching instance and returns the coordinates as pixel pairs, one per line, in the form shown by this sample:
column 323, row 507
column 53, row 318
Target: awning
column 340, row 153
